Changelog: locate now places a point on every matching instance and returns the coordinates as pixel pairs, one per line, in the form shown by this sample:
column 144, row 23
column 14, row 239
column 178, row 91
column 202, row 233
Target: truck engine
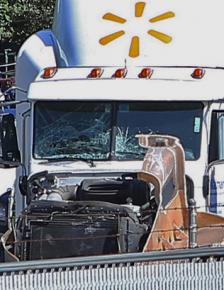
column 72, row 214
column 67, row 218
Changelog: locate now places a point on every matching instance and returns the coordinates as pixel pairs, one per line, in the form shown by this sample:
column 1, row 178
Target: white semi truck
column 105, row 73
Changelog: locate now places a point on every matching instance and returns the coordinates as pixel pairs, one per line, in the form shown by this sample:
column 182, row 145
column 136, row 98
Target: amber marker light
column 49, row 72
column 198, row 73
column 120, row 73
column 146, row 73
column 95, row 73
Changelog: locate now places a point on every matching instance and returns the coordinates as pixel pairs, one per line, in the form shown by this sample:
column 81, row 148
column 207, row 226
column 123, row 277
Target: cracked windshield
column 106, row 130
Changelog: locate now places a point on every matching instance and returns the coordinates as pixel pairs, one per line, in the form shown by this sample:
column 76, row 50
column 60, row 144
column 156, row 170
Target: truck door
column 9, row 160
column 215, row 169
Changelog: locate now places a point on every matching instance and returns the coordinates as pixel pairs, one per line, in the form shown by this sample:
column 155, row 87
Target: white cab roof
column 166, row 84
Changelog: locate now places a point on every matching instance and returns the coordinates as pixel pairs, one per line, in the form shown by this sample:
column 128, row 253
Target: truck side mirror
column 23, row 185
column 9, row 152
column 189, row 188
column 205, row 186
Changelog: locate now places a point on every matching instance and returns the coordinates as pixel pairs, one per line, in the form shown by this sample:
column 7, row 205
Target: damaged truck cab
column 110, row 153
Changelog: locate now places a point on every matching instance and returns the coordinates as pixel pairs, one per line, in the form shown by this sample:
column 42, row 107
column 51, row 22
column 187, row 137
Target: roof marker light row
column 120, row 73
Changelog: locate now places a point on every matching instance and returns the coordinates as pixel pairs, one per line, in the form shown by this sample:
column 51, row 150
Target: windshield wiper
column 61, row 159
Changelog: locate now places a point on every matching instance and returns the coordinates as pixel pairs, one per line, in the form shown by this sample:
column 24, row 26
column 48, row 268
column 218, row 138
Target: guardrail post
column 7, row 51
column 192, row 223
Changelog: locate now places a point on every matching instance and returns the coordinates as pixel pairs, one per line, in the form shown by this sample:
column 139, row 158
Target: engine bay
column 69, row 215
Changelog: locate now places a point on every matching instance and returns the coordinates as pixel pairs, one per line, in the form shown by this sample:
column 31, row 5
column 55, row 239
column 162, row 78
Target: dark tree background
column 21, row 18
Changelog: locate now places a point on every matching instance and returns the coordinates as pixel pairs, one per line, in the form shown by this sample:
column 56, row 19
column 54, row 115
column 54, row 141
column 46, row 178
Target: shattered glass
column 78, row 132
column 107, row 130
column 126, row 145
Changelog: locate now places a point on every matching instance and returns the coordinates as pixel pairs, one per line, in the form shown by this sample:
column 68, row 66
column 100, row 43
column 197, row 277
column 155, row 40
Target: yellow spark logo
column 135, row 41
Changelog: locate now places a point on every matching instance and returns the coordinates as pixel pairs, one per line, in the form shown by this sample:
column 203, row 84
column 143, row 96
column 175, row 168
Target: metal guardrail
column 7, row 65
column 8, row 70
column 176, row 269
column 158, row 256
column 156, row 277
